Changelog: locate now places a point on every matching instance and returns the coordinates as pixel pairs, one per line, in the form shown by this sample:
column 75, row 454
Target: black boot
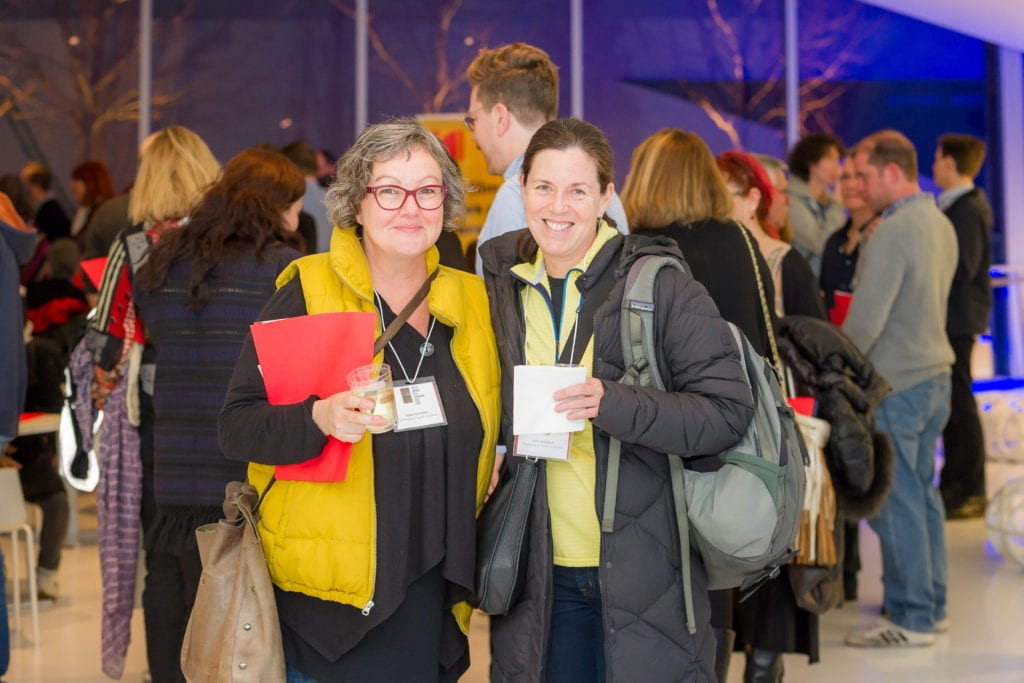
column 724, row 637
column 763, row 666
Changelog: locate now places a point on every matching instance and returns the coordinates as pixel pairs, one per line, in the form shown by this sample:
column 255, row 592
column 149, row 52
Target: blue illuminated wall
column 243, row 72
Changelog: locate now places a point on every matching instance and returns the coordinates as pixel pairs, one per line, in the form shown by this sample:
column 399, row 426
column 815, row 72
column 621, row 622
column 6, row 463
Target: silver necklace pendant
column 426, row 349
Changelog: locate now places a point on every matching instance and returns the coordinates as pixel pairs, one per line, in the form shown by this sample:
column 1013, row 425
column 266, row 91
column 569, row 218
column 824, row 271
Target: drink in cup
column 374, row 382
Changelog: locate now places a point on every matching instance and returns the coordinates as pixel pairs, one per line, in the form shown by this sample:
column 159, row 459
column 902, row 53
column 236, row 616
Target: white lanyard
column 424, row 347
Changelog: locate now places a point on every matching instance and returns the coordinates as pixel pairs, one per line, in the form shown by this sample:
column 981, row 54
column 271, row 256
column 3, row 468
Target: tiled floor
column 985, row 643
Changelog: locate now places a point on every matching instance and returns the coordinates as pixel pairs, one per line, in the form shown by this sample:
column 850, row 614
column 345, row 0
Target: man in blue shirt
column 515, row 92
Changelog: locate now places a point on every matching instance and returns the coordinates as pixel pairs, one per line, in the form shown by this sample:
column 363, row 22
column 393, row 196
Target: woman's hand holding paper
column 584, row 400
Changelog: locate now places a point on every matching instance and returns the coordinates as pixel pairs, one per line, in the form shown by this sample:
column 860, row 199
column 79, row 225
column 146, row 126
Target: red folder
column 307, row 355
column 840, row 307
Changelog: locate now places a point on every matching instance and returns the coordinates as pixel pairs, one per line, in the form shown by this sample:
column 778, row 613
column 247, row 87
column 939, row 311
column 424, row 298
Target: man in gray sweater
column 898, row 318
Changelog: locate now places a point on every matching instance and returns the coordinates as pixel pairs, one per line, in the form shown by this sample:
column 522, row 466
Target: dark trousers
column 167, row 599
column 963, row 474
column 576, row 650
column 172, row 577
column 55, row 527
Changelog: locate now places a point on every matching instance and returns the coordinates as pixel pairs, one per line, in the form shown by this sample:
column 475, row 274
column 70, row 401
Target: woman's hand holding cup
column 346, row 416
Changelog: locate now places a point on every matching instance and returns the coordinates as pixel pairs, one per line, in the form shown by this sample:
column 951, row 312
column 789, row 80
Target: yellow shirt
column 575, row 529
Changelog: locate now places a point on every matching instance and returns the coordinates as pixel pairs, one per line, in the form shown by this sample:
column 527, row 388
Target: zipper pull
column 366, row 610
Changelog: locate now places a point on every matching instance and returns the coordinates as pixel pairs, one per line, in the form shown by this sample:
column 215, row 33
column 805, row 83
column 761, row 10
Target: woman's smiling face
column 563, row 201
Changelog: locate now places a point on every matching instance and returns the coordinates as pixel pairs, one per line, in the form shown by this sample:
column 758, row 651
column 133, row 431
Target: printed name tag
column 418, row 405
column 547, row 446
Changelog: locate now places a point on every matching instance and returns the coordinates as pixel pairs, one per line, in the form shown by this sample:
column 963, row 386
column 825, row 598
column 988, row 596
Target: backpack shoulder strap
column 640, row 361
column 639, row 355
column 637, row 321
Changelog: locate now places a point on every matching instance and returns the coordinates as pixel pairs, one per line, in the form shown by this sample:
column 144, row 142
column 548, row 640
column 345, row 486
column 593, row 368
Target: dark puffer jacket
column 645, row 636
column 848, row 388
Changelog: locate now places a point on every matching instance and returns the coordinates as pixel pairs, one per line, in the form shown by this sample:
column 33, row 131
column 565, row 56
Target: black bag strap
column 392, row 329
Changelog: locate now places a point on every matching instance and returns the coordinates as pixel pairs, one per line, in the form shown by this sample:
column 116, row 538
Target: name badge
column 418, row 405
column 547, row 446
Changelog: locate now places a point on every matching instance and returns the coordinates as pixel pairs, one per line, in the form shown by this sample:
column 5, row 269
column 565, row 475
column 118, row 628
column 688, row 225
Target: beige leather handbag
column 233, row 633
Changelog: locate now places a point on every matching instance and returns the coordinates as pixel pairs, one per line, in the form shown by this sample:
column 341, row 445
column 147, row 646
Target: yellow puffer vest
column 320, row 538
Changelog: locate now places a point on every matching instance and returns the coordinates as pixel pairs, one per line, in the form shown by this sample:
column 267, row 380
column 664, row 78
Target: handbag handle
column 378, row 346
column 769, row 328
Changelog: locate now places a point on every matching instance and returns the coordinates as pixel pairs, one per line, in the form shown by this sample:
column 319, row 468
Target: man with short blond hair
column 958, row 159
column 514, row 92
column 898, row 318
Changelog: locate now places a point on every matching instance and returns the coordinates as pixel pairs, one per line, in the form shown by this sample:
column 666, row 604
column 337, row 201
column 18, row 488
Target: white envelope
column 533, row 403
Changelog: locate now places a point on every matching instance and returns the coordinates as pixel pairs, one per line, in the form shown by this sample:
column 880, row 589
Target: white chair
column 14, row 519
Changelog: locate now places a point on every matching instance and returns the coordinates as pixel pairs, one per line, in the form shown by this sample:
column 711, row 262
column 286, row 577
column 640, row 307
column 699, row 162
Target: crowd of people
column 383, row 562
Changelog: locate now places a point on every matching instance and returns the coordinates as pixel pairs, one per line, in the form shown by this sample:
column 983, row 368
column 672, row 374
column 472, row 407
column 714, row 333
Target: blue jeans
column 576, row 650
column 296, row 676
column 910, row 523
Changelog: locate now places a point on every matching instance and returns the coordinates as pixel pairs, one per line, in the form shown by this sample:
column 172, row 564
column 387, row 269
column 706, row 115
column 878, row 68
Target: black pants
column 963, row 475
column 172, row 578
column 167, row 599
column 56, row 514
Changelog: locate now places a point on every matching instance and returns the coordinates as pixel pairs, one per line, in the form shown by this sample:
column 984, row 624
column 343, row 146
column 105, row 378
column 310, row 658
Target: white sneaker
column 887, row 634
column 47, row 587
column 942, row 625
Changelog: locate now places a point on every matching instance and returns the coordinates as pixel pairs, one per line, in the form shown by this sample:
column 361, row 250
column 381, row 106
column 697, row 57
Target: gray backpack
column 744, row 517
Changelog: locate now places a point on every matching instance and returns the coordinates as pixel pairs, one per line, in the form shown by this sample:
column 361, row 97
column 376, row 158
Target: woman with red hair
column 796, row 288
column 771, row 622
column 91, row 185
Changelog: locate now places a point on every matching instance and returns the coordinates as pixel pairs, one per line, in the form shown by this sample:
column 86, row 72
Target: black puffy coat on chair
column 847, row 388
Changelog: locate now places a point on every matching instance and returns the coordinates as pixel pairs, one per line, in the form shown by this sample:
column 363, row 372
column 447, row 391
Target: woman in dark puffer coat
column 605, row 606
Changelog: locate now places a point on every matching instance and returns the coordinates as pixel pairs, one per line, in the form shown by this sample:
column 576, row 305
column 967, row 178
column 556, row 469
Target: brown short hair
column 967, row 151
column 890, row 147
column 520, row 76
column 302, row 155
column 673, row 179
column 809, row 151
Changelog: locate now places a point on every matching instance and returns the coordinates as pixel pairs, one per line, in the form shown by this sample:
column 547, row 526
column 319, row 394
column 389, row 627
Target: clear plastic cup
column 374, row 382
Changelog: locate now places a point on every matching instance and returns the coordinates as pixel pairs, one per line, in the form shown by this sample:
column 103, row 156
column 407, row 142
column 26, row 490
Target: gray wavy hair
column 382, row 142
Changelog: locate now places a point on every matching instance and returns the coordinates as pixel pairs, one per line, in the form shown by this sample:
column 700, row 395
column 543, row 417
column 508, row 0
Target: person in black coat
column 958, row 160
column 674, row 188
column 771, row 621
column 50, row 217
column 604, row 605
